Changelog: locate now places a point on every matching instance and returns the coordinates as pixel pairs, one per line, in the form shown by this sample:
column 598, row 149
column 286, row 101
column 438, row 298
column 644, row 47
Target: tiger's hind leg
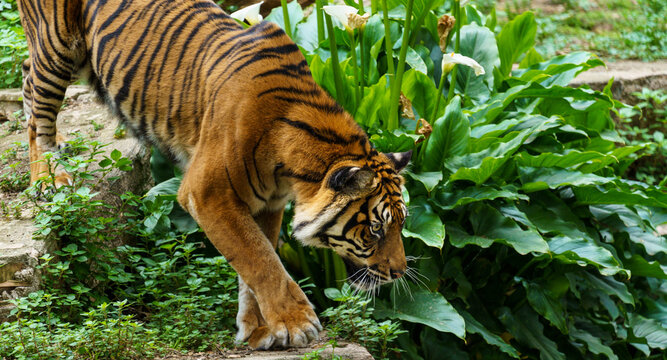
column 43, row 94
column 249, row 320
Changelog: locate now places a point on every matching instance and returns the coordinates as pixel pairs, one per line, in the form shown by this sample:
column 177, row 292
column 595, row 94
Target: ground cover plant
column 617, row 29
column 526, row 239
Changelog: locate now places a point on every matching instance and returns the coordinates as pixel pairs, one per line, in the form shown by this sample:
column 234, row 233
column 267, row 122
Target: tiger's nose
column 395, row 274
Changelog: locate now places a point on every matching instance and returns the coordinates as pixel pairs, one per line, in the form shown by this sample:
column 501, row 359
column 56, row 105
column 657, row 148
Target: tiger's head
column 359, row 213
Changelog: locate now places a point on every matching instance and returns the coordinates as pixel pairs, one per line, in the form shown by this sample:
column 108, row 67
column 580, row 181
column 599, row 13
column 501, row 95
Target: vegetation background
column 534, row 206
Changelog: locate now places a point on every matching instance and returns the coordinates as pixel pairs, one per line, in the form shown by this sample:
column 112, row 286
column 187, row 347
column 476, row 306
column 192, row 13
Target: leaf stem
column 457, row 46
column 353, row 51
column 288, row 28
column 320, row 20
column 387, row 40
column 396, row 86
column 338, row 80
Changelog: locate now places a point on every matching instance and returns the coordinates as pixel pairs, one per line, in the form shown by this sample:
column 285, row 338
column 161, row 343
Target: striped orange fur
column 238, row 110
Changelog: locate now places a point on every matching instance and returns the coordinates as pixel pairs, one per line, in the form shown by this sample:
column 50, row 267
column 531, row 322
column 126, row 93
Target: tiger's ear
column 400, row 160
column 350, row 178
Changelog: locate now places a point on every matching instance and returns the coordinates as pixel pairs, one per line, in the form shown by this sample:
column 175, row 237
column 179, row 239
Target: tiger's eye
column 376, row 227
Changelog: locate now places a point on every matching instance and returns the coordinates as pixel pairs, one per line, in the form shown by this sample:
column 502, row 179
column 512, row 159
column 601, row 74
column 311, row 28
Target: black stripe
column 311, row 177
column 324, row 135
column 231, row 184
column 252, row 186
column 291, row 90
column 334, row 109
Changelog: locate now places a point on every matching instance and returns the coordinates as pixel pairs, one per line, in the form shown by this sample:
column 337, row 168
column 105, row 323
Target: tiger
column 238, row 110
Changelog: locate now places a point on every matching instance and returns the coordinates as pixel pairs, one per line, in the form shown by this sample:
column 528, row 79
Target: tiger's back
column 240, row 112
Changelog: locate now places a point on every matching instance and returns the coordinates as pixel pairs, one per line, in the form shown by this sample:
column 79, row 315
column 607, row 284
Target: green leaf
column 447, row 199
column 478, row 43
column 475, row 327
column 424, row 224
column 532, row 57
column 460, row 238
column 424, row 307
column 527, row 329
column 449, row 137
column 649, row 329
column 429, row 179
column 490, row 223
column 639, row 266
column 546, row 305
column 415, row 61
column 167, row 189
column 560, row 69
column 421, row 91
column 535, row 179
column 515, row 38
column 607, row 285
column 594, row 344
column 115, row 154
column 584, row 251
column 479, row 167
column 294, row 12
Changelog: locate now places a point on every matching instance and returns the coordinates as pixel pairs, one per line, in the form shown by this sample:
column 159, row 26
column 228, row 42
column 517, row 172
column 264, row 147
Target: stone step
column 629, row 76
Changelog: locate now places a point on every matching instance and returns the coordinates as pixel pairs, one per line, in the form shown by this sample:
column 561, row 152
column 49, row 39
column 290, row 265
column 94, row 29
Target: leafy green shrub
column 351, row 321
column 646, row 125
column 529, row 241
column 13, row 46
column 102, row 300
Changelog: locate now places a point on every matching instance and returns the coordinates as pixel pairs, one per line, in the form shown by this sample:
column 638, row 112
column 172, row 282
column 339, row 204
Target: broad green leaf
column 167, row 189
column 561, row 69
column 535, row 179
column 639, row 266
column 386, row 141
column 429, row 179
column 424, row 307
column 594, row 344
column 460, row 238
column 478, row 43
column 305, row 34
column 449, row 138
column 585, row 281
column 649, row 329
column 516, row 38
column 585, row 251
column 490, row 223
column 617, row 195
column 447, row 199
column 527, row 329
column 415, row 61
column 374, row 105
column 568, row 159
column 294, row 12
column 421, row 91
column 546, row 305
column 424, row 224
column 475, row 327
column 532, row 57
column 479, row 167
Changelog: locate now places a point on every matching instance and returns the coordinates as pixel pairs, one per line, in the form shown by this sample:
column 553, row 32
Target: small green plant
column 351, row 320
column 157, row 293
column 645, row 125
column 13, row 46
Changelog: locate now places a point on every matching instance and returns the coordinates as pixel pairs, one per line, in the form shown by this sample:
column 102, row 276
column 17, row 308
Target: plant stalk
column 387, row 40
column 320, row 20
column 353, row 50
column 457, row 46
column 338, row 79
column 288, row 28
column 396, row 86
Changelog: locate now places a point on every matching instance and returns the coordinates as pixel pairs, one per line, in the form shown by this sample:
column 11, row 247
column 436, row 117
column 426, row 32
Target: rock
column 345, row 350
column 10, row 103
column 629, row 77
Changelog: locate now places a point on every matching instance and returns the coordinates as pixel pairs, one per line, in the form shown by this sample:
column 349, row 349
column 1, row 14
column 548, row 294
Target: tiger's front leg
column 286, row 317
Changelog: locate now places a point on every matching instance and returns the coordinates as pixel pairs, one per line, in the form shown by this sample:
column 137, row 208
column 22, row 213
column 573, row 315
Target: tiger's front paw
column 287, row 328
column 289, row 320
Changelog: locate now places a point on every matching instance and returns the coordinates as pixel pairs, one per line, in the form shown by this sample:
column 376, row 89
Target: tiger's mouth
column 363, row 277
